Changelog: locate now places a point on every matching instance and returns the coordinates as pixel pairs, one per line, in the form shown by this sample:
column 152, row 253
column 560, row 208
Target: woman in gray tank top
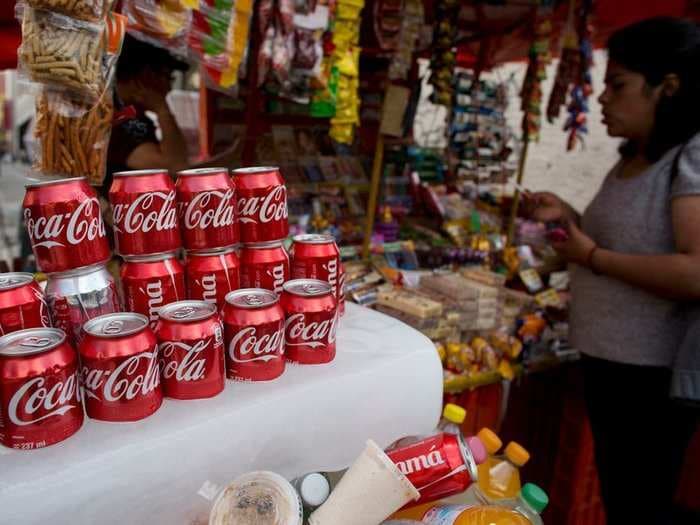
column 636, row 267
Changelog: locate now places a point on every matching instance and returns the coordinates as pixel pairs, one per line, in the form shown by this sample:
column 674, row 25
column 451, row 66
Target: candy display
column 444, row 59
column 539, row 58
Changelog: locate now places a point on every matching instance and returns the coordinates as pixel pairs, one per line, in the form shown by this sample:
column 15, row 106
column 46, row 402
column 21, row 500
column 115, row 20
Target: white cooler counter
column 386, row 382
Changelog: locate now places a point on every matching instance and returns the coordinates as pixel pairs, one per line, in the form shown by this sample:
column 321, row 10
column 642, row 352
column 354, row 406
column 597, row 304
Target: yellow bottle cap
column 517, row 454
column 454, row 413
column 490, row 440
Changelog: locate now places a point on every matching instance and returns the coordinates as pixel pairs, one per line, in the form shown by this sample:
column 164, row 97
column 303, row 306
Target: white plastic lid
column 314, row 489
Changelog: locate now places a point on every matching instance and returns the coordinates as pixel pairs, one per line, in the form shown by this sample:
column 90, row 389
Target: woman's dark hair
column 657, row 47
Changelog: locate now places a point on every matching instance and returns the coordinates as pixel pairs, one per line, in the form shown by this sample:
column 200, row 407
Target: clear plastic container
column 532, row 502
column 493, row 444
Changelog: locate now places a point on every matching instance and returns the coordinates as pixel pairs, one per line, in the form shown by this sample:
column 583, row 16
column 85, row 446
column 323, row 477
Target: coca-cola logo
column 141, row 215
column 200, row 214
column 57, row 400
column 422, row 462
column 278, row 277
column 124, row 382
column 261, row 210
column 83, row 223
column 265, row 347
column 193, row 365
column 314, row 334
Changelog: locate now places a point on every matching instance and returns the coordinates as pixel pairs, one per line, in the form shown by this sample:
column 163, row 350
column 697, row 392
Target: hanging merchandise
column 346, row 58
column 163, row 23
column 582, row 86
column 539, row 58
column 479, row 133
column 443, row 60
column 218, row 37
column 569, row 64
column 411, row 23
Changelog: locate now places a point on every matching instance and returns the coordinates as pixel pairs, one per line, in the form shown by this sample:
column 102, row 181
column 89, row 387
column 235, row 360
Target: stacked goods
column 478, row 304
column 173, row 342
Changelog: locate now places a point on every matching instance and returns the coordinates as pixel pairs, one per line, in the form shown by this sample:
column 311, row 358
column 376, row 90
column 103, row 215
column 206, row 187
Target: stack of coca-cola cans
column 232, row 310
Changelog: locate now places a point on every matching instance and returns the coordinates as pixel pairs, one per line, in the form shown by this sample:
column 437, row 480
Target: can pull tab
column 113, row 327
column 312, row 289
column 9, row 281
column 36, row 342
column 184, row 312
column 253, row 300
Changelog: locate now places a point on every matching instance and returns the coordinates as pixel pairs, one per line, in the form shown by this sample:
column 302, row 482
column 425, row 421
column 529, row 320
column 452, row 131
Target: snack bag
column 73, row 135
column 88, row 10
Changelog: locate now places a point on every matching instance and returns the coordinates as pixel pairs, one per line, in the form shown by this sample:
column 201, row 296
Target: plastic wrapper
column 88, row 10
column 73, row 135
column 60, row 51
column 164, row 23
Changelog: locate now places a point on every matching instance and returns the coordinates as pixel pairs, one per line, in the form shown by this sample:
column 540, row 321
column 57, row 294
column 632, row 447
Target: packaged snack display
column 60, row 51
column 88, row 10
column 74, row 135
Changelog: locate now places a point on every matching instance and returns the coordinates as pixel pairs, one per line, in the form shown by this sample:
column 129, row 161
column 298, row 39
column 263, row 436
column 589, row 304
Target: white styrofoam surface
column 385, row 382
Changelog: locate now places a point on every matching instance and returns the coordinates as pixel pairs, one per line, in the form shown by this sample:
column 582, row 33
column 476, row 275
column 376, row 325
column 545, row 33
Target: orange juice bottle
column 473, row 515
column 499, row 483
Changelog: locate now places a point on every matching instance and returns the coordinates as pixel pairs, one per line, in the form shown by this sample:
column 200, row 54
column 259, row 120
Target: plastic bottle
column 499, row 484
column 493, row 444
column 473, row 515
column 452, row 418
column 531, row 502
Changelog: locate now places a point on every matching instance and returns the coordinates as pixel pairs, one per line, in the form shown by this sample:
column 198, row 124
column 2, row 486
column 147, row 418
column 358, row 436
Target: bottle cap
column 490, row 440
column 477, row 448
column 535, row 497
column 517, row 454
column 454, row 413
column 314, row 489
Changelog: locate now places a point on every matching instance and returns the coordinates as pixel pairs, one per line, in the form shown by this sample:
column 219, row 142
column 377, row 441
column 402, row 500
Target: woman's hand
column 577, row 248
column 547, row 207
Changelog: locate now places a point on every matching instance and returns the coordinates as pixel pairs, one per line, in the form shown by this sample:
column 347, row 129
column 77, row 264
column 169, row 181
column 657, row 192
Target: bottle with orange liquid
column 499, row 476
column 526, row 511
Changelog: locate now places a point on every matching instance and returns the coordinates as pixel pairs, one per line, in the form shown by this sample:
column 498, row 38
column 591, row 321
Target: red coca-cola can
column 316, row 256
column 211, row 274
column 22, row 303
column 65, row 224
column 144, row 212
column 264, row 265
column 39, row 389
column 119, row 373
column 150, row 282
column 439, row 466
column 254, row 335
column 191, row 346
column 311, row 313
column 78, row 295
column 206, row 200
column 262, row 204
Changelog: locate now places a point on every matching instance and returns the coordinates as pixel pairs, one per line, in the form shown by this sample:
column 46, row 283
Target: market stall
column 194, row 311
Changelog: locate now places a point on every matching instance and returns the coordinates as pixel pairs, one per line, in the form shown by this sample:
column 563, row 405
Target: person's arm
column 673, row 276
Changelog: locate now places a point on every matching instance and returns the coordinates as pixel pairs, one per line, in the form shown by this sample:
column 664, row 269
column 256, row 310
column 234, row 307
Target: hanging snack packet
column 73, row 135
column 88, row 10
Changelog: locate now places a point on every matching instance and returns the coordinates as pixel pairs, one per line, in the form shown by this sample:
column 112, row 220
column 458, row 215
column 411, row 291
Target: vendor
column 636, row 255
column 143, row 80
